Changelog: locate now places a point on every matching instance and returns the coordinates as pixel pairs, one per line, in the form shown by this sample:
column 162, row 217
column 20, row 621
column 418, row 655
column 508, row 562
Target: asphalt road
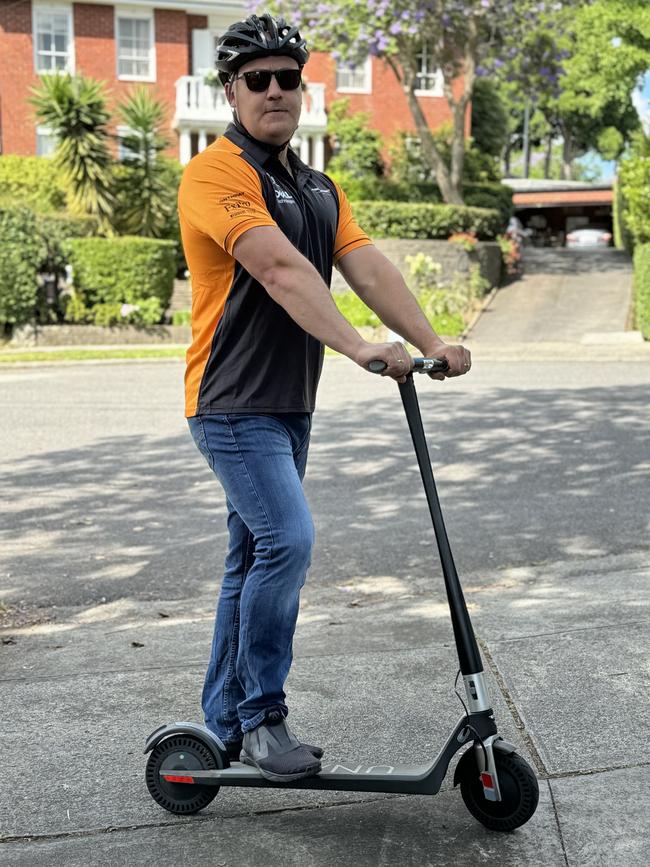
column 105, row 495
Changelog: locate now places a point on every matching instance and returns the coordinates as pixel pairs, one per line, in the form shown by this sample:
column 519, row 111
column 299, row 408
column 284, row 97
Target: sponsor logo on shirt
column 320, row 190
column 281, row 195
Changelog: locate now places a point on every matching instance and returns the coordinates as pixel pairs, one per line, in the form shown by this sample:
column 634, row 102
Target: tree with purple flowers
column 463, row 39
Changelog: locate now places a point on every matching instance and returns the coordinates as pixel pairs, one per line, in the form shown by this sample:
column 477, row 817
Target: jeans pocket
column 198, row 435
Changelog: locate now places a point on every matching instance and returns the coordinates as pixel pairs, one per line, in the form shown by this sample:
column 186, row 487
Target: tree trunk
column 549, row 155
column 567, row 155
column 451, row 192
column 527, row 140
column 505, row 159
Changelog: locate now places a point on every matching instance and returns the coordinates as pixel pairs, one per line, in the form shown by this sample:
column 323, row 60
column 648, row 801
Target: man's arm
column 293, row 282
column 381, row 286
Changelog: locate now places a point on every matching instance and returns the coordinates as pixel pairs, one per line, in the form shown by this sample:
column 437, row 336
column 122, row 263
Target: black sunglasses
column 259, row 80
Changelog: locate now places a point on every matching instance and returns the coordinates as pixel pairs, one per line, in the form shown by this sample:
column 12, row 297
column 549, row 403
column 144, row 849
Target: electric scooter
column 188, row 763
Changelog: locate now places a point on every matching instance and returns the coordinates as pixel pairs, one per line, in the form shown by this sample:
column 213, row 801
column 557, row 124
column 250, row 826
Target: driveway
column 564, row 296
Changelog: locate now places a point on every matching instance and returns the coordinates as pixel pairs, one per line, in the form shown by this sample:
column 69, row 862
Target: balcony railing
column 202, row 104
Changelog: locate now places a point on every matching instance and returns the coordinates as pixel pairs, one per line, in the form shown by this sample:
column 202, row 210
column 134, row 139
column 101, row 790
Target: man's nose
column 274, row 90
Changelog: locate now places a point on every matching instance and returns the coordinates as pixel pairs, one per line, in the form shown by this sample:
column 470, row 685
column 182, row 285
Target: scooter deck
column 410, row 779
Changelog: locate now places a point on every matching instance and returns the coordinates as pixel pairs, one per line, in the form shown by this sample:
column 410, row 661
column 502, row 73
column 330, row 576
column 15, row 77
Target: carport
column 552, row 209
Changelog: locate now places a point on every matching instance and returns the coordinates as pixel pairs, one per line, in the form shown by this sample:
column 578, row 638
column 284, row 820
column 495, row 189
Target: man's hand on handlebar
column 458, row 358
column 398, row 361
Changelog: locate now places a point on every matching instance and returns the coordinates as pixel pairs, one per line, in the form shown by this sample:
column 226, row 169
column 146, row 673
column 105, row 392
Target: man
column 261, row 232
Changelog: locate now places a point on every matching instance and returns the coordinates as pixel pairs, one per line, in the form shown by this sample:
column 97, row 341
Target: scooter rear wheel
column 177, row 754
column 519, row 791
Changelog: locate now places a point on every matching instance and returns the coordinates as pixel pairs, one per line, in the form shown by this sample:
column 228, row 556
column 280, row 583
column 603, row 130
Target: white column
column 319, row 153
column 304, row 149
column 185, row 149
column 203, row 140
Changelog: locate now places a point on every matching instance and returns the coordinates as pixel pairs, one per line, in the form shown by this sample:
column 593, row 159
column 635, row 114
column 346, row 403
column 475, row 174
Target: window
column 45, row 142
column 52, row 36
column 134, row 36
column 429, row 78
column 356, row 79
column 124, row 152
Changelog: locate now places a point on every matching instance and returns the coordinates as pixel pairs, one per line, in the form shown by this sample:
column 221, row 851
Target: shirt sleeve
column 349, row 235
column 221, row 196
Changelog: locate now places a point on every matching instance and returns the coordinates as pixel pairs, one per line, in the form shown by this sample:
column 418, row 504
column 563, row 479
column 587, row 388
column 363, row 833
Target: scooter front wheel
column 519, row 791
column 173, row 756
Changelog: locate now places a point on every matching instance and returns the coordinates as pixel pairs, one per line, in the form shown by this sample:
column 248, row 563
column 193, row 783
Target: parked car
column 589, row 236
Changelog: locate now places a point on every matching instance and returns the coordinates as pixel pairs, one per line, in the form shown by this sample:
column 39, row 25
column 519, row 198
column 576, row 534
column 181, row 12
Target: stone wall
column 452, row 258
column 94, row 335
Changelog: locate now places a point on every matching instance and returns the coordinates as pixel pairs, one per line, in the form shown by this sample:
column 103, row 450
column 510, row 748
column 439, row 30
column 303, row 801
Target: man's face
column 271, row 116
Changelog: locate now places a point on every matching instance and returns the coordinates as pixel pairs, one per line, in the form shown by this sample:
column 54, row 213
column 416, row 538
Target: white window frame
column 45, row 132
column 437, row 88
column 367, row 73
column 145, row 13
column 58, row 9
column 121, row 132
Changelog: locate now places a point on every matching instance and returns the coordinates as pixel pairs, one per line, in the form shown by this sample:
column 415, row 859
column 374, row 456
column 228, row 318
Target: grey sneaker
column 233, row 750
column 277, row 754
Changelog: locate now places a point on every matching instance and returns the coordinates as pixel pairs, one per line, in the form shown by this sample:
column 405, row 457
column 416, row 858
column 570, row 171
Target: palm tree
column 146, row 199
column 73, row 107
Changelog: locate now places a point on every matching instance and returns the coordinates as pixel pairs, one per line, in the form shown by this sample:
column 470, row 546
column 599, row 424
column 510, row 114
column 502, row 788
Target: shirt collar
column 263, row 152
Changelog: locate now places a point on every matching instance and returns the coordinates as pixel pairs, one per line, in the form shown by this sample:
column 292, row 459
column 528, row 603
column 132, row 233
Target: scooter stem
column 469, row 656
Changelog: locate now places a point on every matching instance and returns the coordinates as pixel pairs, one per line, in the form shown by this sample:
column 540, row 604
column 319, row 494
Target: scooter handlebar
column 420, row 365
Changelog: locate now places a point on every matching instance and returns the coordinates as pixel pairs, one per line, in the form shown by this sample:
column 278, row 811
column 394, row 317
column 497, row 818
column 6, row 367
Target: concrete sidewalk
column 109, row 515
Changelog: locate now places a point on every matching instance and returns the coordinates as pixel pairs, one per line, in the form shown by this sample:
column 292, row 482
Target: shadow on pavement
column 523, row 478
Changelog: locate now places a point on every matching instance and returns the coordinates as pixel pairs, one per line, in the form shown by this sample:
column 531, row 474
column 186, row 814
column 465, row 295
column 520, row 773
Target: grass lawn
column 90, row 354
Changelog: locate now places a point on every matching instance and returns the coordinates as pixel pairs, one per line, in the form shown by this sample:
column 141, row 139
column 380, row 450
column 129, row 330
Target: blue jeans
column 260, row 461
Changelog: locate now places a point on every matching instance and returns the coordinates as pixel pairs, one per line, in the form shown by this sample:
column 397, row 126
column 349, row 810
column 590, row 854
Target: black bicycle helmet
column 258, row 37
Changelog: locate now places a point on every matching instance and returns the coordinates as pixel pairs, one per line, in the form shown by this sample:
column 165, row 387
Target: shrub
column 357, row 147
column 642, row 289
column 490, row 195
column 145, row 313
column 124, row 270
column 33, row 181
column 21, row 253
column 361, row 186
column 634, row 175
column 55, row 229
column 494, row 196
column 419, row 220
column 466, row 240
column 454, row 299
column 355, row 311
column 181, row 317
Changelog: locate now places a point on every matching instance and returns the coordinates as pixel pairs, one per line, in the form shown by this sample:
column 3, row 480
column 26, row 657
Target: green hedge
column 21, row 253
column 33, row 181
column 368, row 188
column 634, row 179
column 419, row 220
column 124, row 270
column 642, row 289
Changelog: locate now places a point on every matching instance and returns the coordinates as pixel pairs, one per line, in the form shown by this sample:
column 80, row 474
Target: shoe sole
column 279, row 778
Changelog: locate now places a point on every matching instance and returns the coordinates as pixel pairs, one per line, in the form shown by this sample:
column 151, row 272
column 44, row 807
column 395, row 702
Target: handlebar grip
column 420, row 365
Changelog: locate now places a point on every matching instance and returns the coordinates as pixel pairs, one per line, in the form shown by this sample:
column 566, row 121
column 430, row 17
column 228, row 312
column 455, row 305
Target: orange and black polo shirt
column 247, row 353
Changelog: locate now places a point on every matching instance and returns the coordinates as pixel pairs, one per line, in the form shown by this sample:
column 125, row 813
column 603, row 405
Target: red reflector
column 486, row 779
column 170, row 778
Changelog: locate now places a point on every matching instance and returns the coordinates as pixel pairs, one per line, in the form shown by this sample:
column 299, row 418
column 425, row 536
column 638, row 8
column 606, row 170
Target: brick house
column 168, row 46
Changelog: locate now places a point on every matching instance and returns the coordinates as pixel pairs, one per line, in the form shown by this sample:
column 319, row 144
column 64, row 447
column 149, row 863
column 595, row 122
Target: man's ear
column 229, row 89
